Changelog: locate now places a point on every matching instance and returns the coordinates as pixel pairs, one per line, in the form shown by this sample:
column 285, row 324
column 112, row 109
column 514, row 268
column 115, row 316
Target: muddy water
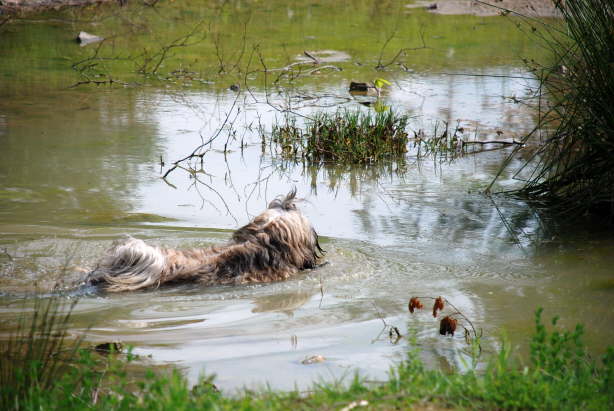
column 80, row 168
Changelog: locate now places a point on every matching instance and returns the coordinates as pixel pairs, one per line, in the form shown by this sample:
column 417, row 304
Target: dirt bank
column 20, row 7
column 533, row 8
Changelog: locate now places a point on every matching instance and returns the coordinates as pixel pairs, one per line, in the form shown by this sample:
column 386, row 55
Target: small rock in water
column 363, row 89
column 86, row 38
column 314, row 359
column 106, row 348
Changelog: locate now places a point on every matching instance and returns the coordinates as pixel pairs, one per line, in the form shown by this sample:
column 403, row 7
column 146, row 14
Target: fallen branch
column 380, row 66
column 195, row 153
column 504, row 142
column 311, row 56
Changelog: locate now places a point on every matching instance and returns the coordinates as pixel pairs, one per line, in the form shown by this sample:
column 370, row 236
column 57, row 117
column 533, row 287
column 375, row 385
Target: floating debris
column 314, row 359
column 109, row 347
column 354, row 404
column 447, row 325
column 86, row 38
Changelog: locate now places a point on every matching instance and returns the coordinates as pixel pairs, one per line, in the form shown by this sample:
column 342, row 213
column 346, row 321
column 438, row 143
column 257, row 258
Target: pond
column 81, row 166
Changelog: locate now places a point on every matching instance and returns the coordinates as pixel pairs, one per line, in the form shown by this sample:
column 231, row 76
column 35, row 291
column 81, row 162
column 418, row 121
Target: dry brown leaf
column 447, row 325
column 414, row 303
column 438, row 306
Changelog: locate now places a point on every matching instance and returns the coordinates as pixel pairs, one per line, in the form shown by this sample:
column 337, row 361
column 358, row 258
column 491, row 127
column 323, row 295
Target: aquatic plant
column 344, row 136
column 448, row 144
column 573, row 170
column 449, row 323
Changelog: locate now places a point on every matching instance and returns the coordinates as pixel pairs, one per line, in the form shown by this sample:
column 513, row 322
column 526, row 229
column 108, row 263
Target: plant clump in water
column 574, row 168
column 344, row 136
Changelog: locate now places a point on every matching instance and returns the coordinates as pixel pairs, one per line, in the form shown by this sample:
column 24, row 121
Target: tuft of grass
column 42, row 367
column 445, row 143
column 573, row 171
column 32, row 357
column 351, row 137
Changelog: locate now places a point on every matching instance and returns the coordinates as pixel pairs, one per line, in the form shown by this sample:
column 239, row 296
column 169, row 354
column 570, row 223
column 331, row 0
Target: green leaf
column 380, row 82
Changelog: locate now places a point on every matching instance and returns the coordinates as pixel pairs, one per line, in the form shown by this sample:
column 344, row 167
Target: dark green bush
column 573, row 170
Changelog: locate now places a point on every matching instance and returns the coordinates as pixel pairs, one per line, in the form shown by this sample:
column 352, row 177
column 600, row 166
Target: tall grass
column 43, row 367
column 353, row 137
column 573, row 170
column 34, row 355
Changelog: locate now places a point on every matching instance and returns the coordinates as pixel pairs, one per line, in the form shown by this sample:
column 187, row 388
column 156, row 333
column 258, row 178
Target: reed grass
column 573, row 170
column 442, row 142
column 352, row 137
column 34, row 355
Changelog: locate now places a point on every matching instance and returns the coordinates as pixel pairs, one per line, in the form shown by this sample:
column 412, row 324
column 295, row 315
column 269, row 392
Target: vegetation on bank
column 40, row 370
column 573, row 168
column 354, row 137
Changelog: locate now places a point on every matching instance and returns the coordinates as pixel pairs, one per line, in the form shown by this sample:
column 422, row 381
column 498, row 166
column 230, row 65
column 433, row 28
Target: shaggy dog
column 275, row 245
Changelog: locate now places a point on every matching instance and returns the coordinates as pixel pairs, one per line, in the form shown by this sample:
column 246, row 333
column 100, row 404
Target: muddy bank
column 20, row 7
column 533, row 8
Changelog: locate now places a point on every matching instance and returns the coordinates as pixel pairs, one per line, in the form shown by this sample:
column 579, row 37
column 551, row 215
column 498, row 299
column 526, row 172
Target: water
column 80, row 167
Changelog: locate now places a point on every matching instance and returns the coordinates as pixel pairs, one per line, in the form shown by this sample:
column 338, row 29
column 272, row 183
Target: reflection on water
column 80, row 168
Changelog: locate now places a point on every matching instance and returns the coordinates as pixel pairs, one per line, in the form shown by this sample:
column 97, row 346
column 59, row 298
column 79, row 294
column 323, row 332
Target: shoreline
column 11, row 8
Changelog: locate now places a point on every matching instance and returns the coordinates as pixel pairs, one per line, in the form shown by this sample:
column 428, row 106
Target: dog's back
column 272, row 247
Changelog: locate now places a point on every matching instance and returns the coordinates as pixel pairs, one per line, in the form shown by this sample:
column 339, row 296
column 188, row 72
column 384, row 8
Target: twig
column 380, row 66
column 311, row 56
column 486, row 75
column 321, row 290
column 5, row 251
column 195, row 153
column 329, row 66
column 504, row 142
column 393, row 332
column 4, row 21
column 179, row 42
column 110, row 81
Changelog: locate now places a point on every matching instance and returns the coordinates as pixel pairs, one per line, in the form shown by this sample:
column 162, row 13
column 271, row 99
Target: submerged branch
column 196, row 152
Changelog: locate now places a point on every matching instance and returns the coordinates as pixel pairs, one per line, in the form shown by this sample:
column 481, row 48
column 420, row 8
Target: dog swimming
column 272, row 247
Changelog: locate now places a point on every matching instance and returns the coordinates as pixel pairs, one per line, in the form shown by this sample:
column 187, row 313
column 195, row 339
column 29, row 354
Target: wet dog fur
column 272, row 247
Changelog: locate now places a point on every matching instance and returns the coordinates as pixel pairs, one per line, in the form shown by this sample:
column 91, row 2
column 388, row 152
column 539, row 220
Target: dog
column 272, row 247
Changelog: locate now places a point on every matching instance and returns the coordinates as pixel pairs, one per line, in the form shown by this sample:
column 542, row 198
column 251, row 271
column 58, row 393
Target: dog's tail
column 129, row 266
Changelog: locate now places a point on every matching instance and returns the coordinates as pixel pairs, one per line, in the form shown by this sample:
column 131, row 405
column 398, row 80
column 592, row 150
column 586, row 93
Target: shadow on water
column 81, row 167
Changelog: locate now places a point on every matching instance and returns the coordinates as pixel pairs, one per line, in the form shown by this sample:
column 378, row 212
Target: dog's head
column 286, row 229
column 287, row 203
